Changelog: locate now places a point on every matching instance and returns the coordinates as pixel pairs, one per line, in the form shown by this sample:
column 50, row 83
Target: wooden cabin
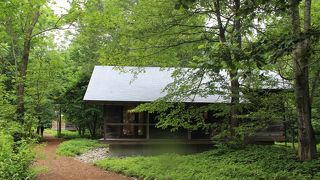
column 120, row 90
column 64, row 125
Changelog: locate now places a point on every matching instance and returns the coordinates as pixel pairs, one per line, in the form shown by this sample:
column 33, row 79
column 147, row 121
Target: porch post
column 189, row 135
column 104, row 122
column 148, row 135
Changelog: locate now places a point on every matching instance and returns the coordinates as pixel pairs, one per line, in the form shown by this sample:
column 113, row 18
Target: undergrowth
column 77, row 146
column 252, row 162
column 66, row 134
column 15, row 158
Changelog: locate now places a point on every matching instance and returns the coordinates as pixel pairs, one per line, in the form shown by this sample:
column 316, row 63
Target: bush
column 253, row 162
column 77, row 146
column 15, row 158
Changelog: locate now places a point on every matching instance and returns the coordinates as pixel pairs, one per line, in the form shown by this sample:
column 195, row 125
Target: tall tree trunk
column 301, row 55
column 233, row 70
column 235, row 85
column 24, row 64
column 234, row 111
column 22, row 78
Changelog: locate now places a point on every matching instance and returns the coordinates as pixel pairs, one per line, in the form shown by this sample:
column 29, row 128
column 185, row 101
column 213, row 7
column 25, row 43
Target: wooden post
column 285, row 133
column 104, row 122
column 57, row 126
column 148, row 124
column 189, row 135
column 285, row 120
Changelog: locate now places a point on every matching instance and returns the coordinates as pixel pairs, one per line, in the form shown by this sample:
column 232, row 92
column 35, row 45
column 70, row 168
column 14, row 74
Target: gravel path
column 93, row 155
column 65, row 168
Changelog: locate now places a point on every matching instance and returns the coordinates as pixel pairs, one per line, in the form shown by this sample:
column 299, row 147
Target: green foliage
column 15, row 153
column 253, row 162
column 259, row 109
column 66, row 134
column 77, row 146
column 47, row 78
column 176, row 115
column 182, row 34
column 80, row 114
column 26, row 39
column 316, row 126
column 6, row 97
column 123, row 32
column 15, row 159
column 180, row 115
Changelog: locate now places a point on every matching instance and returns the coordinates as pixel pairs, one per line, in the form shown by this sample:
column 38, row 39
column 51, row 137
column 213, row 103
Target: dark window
column 134, row 124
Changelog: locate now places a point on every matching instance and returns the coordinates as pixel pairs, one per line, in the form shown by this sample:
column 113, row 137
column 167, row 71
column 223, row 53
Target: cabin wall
column 120, row 123
column 64, row 126
column 112, row 114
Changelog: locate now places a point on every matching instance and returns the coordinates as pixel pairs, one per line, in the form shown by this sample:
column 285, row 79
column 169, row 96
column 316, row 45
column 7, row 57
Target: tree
column 47, row 78
column 83, row 116
column 301, row 58
column 206, row 35
column 25, row 24
column 221, row 47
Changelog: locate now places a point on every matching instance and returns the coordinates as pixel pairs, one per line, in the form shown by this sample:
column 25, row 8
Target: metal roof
column 113, row 84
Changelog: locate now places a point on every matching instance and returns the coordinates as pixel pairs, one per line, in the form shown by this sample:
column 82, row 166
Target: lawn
column 65, row 134
column 77, row 146
column 252, row 162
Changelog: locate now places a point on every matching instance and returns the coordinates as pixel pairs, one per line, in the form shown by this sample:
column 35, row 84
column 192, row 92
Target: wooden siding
column 121, row 127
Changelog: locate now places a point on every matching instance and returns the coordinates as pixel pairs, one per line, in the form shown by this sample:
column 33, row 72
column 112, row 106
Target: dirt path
column 65, row 168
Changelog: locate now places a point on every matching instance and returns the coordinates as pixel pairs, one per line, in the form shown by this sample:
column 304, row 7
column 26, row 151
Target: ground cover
column 77, row 146
column 252, row 162
column 66, row 134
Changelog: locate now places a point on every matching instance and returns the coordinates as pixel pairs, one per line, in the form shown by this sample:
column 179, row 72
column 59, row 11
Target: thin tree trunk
column 94, row 129
column 90, row 131
column 301, row 55
column 24, row 65
column 79, row 130
column 59, row 121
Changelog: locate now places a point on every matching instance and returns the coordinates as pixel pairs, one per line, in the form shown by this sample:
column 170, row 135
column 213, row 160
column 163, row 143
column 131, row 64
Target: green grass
column 77, row 146
column 65, row 134
column 253, row 162
column 289, row 145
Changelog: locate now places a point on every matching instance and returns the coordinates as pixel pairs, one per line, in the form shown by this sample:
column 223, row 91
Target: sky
column 60, row 6
column 61, row 39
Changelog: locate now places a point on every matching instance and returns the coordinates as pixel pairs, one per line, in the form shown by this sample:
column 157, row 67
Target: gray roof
column 111, row 84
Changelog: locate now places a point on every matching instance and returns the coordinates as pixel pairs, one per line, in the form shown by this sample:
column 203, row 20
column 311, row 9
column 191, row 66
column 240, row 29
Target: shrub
column 77, row 146
column 15, row 158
